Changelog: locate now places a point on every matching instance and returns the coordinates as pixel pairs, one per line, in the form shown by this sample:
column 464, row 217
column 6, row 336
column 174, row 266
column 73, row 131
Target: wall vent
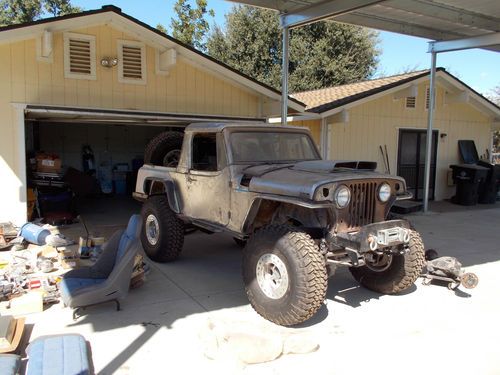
column 132, row 62
column 411, row 102
column 79, row 56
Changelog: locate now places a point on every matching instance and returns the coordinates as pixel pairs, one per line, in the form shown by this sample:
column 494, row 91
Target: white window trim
column 67, row 72
column 131, row 43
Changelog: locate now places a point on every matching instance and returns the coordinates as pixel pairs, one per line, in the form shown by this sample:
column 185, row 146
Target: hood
column 303, row 178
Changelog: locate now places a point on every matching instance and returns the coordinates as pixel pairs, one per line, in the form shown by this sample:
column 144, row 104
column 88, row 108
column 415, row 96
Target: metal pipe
column 430, row 120
column 284, row 76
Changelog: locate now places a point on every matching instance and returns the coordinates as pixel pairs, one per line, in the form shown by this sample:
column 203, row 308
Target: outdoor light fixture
column 109, row 62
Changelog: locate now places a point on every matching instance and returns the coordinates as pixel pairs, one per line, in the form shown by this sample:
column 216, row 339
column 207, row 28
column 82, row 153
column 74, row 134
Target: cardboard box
column 69, row 259
column 48, row 163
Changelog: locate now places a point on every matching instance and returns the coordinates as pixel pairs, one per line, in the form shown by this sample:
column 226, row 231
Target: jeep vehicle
column 297, row 216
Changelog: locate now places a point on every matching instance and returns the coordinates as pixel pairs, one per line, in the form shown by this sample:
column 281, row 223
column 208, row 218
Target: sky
column 479, row 69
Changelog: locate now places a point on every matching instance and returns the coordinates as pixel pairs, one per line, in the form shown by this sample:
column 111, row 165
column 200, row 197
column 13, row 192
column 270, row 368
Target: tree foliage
column 321, row 54
column 190, row 25
column 20, row 11
column 495, row 98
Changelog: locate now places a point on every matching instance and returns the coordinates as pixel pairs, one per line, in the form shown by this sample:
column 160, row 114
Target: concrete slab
column 427, row 329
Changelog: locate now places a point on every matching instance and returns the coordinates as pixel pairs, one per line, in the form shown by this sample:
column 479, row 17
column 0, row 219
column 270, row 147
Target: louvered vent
column 132, row 62
column 411, row 102
column 79, row 56
column 427, row 97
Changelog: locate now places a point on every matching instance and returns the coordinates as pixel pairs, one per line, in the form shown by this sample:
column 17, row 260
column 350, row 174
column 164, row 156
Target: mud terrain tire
column 164, row 149
column 401, row 274
column 163, row 243
column 296, row 253
column 241, row 243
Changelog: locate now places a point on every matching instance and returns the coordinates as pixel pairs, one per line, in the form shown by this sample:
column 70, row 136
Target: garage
column 101, row 152
column 106, row 83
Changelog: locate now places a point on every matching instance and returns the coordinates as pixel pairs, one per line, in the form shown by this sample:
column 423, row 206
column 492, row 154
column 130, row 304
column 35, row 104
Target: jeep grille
column 362, row 205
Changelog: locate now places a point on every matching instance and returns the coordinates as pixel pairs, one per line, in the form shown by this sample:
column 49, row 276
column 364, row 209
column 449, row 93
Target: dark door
column 411, row 161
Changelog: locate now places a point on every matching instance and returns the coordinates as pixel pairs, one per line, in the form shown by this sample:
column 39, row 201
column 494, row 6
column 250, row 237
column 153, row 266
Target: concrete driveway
column 428, row 329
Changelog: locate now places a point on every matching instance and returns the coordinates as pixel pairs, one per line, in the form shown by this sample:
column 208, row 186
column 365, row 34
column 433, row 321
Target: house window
column 131, row 62
column 411, row 102
column 79, row 56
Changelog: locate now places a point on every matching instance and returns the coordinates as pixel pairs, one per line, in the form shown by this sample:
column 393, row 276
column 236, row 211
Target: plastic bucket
column 34, row 233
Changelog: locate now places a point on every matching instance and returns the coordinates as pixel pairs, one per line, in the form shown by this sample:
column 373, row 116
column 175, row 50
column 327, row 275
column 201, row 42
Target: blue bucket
column 34, row 233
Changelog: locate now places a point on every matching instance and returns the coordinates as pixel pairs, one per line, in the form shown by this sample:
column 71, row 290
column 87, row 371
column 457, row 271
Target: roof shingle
column 325, row 99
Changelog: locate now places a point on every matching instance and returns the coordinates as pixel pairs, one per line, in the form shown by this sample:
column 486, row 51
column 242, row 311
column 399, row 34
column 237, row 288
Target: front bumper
column 373, row 237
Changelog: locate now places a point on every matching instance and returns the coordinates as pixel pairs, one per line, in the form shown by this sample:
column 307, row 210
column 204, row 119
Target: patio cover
column 452, row 25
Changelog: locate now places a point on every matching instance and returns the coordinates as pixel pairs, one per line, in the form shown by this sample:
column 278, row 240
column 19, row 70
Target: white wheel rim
column 152, row 229
column 272, row 276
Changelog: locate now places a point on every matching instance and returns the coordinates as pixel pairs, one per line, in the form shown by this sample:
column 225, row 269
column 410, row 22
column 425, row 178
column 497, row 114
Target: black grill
column 362, row 205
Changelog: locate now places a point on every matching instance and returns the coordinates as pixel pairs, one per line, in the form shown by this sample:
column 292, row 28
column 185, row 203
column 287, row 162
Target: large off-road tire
column 162, row 233
column 241, row 243
column 164, row 149
column 284, row 274
column 401, row 274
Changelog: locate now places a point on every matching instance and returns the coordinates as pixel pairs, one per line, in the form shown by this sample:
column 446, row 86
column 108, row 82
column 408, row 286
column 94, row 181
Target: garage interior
column 100, row 153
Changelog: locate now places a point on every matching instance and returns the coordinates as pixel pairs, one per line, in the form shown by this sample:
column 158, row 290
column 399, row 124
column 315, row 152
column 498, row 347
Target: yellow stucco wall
column 23, row 79
column 377, row 122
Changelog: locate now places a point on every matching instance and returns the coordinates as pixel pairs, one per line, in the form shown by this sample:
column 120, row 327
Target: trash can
column 488, row 188
column 468, row 177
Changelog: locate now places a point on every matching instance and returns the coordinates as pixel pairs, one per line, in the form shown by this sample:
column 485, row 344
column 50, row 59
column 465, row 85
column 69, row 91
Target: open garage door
column 85, row 161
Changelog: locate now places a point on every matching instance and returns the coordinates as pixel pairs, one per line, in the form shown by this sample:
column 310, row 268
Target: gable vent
column 411, row 102
column 79, row 56
column 427, row 97
column 132, row 62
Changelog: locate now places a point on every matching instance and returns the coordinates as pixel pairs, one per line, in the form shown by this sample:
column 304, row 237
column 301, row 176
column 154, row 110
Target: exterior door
column 207, row 181
column 411, row 161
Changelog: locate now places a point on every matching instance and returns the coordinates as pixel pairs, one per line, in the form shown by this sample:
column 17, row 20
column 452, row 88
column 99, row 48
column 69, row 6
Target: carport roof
column 431, row 19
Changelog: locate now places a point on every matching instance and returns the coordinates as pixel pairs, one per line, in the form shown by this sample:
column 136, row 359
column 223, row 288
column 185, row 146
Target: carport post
column 430, row 120
column 284, row 76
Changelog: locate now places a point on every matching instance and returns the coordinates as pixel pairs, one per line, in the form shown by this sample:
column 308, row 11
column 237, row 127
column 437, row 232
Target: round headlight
column 384, row 192
column 342, row 196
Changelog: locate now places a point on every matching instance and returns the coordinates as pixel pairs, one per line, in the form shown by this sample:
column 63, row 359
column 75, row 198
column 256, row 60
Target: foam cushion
column 9, row 364
column 69, row 286
column 127, row 236
column 58, row 355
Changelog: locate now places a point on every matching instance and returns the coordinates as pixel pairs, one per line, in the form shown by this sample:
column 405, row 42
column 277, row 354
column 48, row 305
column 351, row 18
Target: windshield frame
column 304, row 132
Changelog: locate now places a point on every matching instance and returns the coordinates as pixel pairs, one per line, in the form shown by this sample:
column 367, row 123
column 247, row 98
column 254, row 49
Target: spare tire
column 164, row 149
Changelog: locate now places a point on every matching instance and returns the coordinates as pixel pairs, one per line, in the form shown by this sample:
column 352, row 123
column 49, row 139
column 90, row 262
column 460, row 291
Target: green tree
column 60, row 7
column 190, row 25
column 20, row 11
column 495, row 98
column 161, row 28
column 321, row 54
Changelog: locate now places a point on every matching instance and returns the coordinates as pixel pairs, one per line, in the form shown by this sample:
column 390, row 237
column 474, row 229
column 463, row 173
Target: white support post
column 430, row 120
column 324, row 139
column 284, row 76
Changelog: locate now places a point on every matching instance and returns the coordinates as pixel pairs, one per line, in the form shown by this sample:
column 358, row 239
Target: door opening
column 411, row 161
